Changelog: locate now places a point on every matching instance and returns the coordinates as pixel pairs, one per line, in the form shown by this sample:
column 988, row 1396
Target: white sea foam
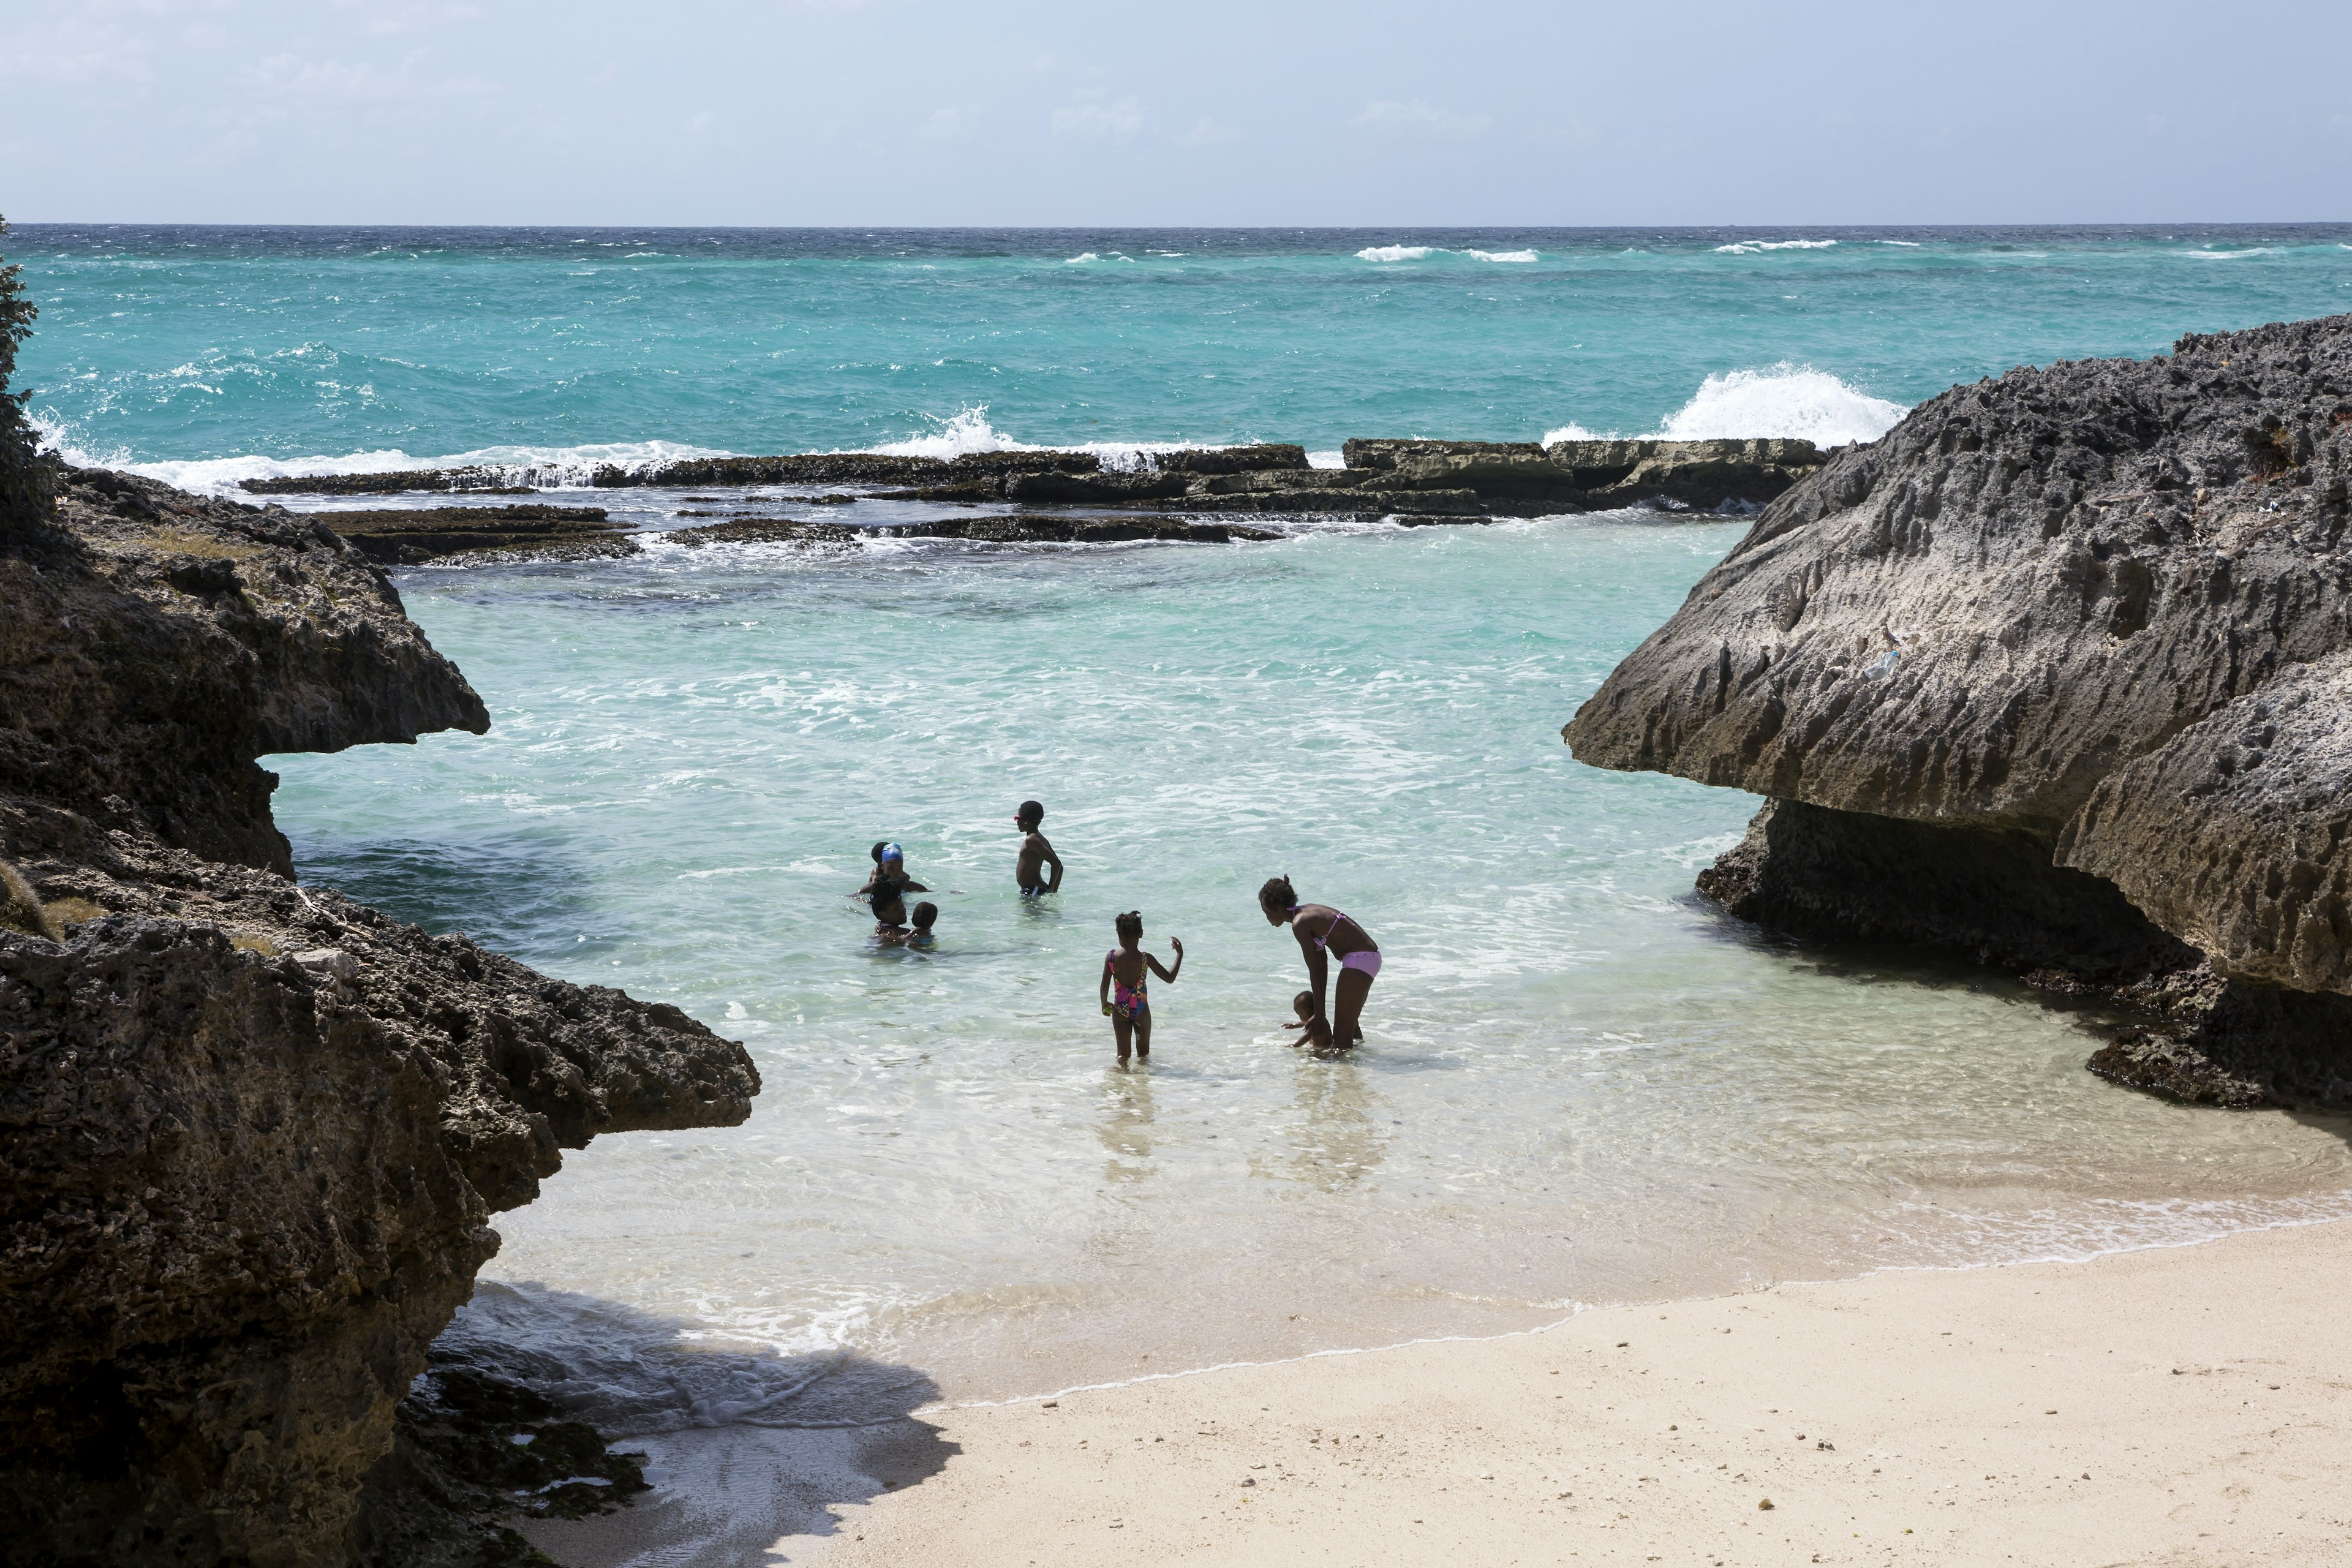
column 1788, row 400
column 967, row 430
column 1326, row 459
column 1423, row 252
column 2230, row 255
column 1751, row 246
column 1082, row 258
column 545, row 467
column 1907, row 244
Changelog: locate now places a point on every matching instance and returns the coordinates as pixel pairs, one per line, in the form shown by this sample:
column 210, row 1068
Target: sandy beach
column 2183, row 1406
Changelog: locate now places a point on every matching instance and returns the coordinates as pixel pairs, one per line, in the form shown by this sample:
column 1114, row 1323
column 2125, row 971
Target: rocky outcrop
column 1382, row 477
column 993, row 530
column 1269, row 457
column 416, row 535
column 985, row 471
column 251, row 1135
column 2073, row 637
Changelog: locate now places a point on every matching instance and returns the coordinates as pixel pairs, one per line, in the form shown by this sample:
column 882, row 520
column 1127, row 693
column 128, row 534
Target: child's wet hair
column 924, row 914
column 879, row 845
column 1130, row 924
column 1278, row 896
column 1030, row 811
column 889, row 905
column 1304, row 1004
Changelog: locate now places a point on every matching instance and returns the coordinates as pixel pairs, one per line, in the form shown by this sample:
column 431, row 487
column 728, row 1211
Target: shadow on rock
column 602, row 1436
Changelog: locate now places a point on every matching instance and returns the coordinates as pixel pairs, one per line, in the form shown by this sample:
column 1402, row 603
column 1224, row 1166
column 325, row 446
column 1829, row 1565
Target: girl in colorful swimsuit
column 1127, row 971
column 1324, row 933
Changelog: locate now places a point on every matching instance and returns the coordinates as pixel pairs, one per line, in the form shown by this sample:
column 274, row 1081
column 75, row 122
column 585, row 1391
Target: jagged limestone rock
column 250, row 1135
column 2096, row 610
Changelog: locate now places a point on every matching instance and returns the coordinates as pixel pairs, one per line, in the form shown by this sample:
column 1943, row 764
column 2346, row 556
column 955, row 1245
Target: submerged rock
column 2072, row 639
column 251, row 1135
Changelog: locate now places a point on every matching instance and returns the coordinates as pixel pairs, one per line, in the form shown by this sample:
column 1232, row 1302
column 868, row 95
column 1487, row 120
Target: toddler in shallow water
column 1127, row 970
column 1317, row 1037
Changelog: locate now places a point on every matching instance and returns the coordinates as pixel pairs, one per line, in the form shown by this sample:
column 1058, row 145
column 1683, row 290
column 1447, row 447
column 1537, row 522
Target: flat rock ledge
column 251, row 1134
column 2057, row 674
column 1463, row 479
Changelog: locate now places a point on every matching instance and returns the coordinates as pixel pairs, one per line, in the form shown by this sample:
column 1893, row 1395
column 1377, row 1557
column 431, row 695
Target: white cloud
column 951, row 122
column 1099, row 117
column 1207, row 132
column 1421, row 118
column 702, row 124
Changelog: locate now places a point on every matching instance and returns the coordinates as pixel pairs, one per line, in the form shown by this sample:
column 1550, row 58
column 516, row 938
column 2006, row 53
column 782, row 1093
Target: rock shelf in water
column 1460, row 479
column 2057, row 673
column 253, row 1133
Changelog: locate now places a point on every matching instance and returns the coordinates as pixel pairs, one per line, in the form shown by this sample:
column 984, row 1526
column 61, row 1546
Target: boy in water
column 1317, row 1037
column 1127, row 971
column 926, row 915
column 1035, row 854
column 889, row 914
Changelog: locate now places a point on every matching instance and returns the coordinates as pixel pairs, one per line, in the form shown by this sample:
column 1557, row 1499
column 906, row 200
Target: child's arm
column 1051, row 860
column 914, row 887
column 1167, row 974
column 1102, row 992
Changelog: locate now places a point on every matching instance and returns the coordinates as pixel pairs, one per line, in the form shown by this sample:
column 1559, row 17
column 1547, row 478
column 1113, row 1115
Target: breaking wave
column 556, row 467
column 1751, row 246
column 1785, row 400
column 1423, row 252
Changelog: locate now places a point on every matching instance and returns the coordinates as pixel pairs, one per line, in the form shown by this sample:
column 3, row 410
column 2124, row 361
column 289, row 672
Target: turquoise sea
column 1581, row 1083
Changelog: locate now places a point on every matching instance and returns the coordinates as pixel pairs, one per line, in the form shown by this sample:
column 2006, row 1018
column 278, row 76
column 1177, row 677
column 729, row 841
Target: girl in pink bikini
column 1324, row 933
column 1127, row 971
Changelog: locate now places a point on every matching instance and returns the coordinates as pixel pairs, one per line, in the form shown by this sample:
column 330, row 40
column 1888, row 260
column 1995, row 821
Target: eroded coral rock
column 251, row 1135
column 2100, row 613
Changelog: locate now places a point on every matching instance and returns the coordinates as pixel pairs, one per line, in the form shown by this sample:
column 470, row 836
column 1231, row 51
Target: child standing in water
column 1127, row 971
column 1029, row 870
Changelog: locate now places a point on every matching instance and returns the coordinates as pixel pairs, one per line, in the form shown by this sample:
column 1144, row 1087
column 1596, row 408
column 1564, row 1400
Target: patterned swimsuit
column 1128, row 1002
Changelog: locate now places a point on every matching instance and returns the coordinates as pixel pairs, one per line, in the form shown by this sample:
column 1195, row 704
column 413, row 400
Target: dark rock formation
column 250, row 1135
column 994, row 529
column 411, row 537
column 987, row 471
column 1589, row 476
column 1695, row 473
column 1092, row 488
column 1264, row 458
column 2079, row 629
column 1459, row 478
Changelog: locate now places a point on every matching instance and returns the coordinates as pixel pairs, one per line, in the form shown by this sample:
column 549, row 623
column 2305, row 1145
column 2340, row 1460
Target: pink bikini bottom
column 1368, row 960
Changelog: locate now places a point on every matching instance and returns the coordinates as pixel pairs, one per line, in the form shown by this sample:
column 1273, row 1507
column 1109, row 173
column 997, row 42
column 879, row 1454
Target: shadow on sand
column 751, row 1454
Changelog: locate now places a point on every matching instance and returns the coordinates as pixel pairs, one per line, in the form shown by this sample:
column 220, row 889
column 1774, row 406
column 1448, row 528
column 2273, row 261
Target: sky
column 1027, row 112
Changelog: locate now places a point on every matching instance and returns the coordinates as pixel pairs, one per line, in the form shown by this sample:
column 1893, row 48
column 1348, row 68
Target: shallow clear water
column 1580, row 1083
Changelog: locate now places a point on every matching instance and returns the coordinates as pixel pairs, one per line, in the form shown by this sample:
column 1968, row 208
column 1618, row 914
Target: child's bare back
column 1036, row 854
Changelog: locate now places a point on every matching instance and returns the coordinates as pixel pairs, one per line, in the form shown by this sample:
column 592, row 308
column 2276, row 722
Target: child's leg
column 1143, row 1035
column 1122, row 1031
